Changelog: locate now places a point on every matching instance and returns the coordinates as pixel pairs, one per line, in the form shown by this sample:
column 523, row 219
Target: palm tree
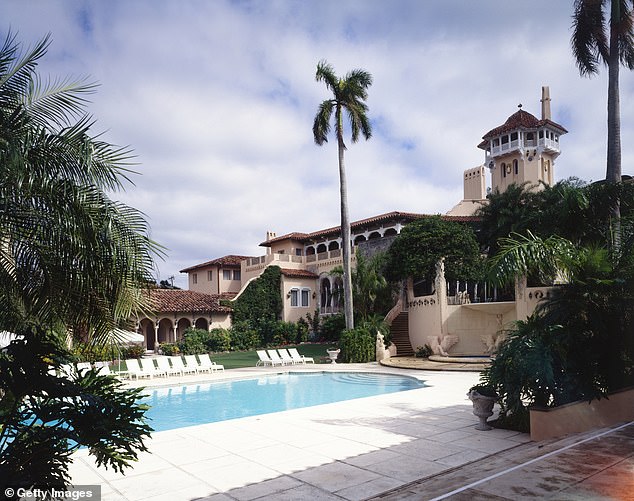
column 596, row 39
column 349, row 94
column 71, row 260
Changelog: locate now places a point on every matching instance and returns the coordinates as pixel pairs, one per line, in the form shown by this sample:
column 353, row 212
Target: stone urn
column 482, row 408
column 333, row 354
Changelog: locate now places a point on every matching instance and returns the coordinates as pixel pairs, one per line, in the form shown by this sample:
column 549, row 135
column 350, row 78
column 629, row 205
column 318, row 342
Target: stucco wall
column 294, row 313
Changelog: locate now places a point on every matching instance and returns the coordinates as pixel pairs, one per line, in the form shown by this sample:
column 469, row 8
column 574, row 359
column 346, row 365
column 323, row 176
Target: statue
column 440, row 345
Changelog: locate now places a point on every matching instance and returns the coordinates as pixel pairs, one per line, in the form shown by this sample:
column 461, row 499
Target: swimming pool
column 187, row 405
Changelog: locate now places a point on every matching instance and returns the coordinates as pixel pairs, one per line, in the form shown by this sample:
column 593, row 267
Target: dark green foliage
column 357, row 345
column 194, row 341
column 261, row 302
column 132, row 351
column 84, row 352
column 218, row 340
column 170, row 349
column 422, row 243
column 46, row 418
column 244, row 337
column 423, row 351
column 302, row 330
column 331, row 327
column 284, row 333
column 579, row 344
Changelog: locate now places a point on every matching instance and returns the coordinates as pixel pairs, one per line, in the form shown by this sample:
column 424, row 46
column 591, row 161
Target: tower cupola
column 524, row 148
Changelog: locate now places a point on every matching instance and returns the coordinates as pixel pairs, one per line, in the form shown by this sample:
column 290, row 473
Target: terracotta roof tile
column 230, row 260
column 521, row 120
column 176, row 300
column 335, row 230
column 288, row 272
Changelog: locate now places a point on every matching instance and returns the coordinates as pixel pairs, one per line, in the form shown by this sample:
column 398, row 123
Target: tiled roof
column 288, row 272
column 335, row 230
column 230, row 260
column 522, row 120
column 176, row 300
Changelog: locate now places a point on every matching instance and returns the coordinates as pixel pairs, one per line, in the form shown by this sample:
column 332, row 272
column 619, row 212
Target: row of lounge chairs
column 282, row 356
column 168, row 366
column 146, row 367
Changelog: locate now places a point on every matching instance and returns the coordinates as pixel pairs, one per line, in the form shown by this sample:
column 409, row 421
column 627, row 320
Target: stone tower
column 524, row 148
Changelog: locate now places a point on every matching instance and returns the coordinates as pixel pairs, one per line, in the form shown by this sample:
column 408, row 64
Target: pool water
column 187, row 405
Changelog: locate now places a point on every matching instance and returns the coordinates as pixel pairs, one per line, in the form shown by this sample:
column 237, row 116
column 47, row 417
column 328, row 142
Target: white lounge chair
column 275, row 357
column 164, row 365
column 286, row 358
column 134, row 369
column 177, row 363
column 300, row 359
column 147, row 365
column 191, row 360
column 264, row 359
column 206, row 361
column 83, row 367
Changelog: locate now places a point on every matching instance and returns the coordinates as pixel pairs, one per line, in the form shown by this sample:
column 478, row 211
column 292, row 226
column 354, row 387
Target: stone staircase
column 400, row 335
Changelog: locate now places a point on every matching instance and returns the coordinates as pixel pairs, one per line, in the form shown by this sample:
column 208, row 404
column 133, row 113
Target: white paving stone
column 346, row 450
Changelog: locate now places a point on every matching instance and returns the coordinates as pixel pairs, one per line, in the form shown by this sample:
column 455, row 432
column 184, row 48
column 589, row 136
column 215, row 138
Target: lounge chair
column 264, row 359
column 286, row 358
column 147, row 365
column 83, row 367
column 164, row 365
column 206, row 359
column 191, row 360
column 275, row 357
column 134, row 369
column 177, row 363
column 300, row 359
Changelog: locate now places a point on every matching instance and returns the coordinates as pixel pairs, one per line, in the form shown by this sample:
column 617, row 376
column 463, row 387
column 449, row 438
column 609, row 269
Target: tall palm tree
column 349, row 94
column 610, row 40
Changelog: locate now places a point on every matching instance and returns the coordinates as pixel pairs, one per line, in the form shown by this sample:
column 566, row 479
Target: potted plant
column 483, row 398
column 332, row 354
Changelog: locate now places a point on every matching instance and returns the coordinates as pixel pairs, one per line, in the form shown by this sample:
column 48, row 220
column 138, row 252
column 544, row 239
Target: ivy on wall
column 261, row 302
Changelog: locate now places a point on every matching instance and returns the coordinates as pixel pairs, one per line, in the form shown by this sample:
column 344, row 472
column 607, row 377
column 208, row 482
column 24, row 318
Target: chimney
column 269, row 236
column 545, row 103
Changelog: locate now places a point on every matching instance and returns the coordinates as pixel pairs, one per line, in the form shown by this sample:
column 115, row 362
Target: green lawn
column 235, row 360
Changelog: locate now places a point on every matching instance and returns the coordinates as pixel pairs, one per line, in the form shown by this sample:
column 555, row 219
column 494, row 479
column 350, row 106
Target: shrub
column 218, row 340
column 132, row 351
column 423, row 351
column 244, row 337
column 331, row 327
column 284, row 333
column 84, row 352
column 194, row 341
column 302, row 331
column 170, row 349
column 357, row 345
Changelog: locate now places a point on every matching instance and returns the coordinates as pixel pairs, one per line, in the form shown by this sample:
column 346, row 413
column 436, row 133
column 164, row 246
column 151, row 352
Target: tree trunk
column 613, row 170
column 345, row 228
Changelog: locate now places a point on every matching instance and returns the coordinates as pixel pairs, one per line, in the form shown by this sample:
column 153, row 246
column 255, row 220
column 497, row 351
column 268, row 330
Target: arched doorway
column 147, row 329
column 201, row 323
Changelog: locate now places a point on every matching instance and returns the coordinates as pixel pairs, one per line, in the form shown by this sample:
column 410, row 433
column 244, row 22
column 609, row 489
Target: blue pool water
column 187, row 405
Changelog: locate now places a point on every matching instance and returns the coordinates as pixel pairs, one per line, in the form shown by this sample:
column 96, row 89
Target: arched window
column 321, row 248
column 310, row 251
column 390, row 232
column 334, row 245
column 374, row 235
column 358, row 239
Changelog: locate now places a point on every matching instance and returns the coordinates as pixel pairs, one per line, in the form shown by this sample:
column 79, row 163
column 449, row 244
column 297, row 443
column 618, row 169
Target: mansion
column 521, row 150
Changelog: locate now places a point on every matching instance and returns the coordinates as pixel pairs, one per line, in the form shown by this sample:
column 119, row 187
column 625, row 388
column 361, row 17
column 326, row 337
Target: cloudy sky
column 217, row 99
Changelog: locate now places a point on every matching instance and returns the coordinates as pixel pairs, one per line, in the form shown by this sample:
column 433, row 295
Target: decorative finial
column 519, row 106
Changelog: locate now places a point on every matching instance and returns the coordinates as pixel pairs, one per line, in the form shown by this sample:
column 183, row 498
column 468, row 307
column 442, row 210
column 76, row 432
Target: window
column 300, row 298
column 505, row 139
column 210, row 275
column 516, row 167
column 294, row 297
column 298, row 252
column 194, row 278
column 226, row 274
column 513, row 136
column 503, row 166
column 237, row 275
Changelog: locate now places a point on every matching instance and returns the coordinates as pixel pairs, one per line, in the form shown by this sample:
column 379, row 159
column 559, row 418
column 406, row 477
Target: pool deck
column 412, row 445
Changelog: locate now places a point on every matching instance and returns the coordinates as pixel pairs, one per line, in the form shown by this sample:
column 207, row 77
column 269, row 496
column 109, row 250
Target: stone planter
column 482, row 408
column 333, row 354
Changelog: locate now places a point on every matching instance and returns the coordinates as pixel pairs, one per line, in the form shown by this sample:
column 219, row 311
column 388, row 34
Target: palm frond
column 589, row 39
column 321, row 125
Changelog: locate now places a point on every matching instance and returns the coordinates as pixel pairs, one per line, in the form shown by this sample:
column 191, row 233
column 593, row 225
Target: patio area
column 359, row 449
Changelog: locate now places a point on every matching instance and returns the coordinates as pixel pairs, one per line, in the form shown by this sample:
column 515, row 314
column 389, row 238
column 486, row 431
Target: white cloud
column 217, row 99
